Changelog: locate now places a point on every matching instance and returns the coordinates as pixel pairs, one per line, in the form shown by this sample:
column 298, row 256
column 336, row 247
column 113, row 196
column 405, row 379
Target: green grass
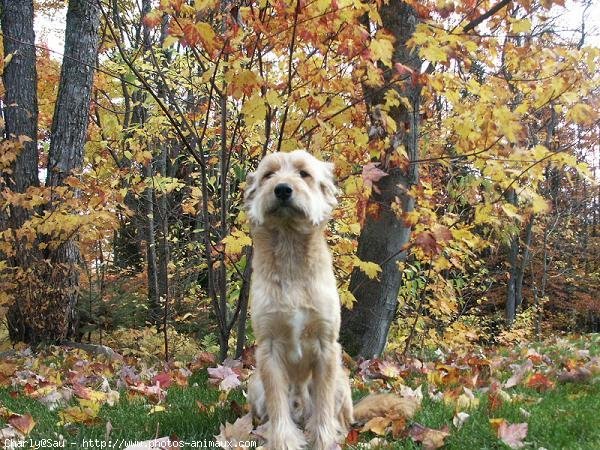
column 130, row 418
column 565, row 417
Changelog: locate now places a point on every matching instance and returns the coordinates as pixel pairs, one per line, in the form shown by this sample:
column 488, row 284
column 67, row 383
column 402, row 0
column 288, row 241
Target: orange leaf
column 539, row 382
column 352, row 438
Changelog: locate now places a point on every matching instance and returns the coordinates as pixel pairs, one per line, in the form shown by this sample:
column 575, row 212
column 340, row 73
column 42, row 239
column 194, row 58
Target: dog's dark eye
column 304, row 174
column 267, row 175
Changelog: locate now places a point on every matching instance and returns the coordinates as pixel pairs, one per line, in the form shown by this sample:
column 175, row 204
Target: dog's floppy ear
column 250, row 187
column 328, row 185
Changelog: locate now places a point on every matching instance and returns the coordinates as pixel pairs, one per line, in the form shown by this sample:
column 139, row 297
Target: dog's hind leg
column 322, row 423
column 283, row 433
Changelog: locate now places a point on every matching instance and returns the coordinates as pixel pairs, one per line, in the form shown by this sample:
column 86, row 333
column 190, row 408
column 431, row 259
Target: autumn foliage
column 188, row 96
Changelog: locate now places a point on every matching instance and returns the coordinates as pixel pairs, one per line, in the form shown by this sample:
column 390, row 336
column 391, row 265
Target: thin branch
column 493, row 10
column 290, row 72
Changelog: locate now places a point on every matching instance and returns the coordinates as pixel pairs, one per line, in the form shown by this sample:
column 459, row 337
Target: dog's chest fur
column 295, row 303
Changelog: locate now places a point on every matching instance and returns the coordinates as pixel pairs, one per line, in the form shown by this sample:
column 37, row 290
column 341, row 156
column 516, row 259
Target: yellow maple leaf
column 521, row 26
column 539, row 204
column 370, row 269
column 511, row 211
column 236, row 241
column 347, row 299
column 581, row 114
column 382, row 49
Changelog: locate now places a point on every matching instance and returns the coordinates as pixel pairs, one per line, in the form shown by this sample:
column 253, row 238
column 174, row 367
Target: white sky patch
column 570, row 18
column 50, row 32
column 50, row 29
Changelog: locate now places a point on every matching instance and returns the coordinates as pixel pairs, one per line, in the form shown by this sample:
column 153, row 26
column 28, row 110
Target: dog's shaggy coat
column 295, row 306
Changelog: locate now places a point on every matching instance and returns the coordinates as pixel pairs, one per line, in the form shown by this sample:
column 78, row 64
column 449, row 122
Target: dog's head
column 291, row 187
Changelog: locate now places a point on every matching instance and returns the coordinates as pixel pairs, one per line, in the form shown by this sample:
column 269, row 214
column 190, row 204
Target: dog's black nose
column 283, row 191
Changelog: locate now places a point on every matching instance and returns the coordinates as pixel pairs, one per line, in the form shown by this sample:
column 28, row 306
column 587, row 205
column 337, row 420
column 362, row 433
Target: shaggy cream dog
column 295, row 307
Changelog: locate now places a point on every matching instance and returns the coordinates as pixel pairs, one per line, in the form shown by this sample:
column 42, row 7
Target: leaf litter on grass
column 76, row 385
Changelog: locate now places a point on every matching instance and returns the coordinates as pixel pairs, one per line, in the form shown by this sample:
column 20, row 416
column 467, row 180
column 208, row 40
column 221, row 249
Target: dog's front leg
column 322, row 424
column 283, row 433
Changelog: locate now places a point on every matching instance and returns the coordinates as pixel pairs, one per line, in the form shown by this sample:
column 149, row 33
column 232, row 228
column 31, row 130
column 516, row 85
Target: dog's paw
column 288, row 438
column 323, row 435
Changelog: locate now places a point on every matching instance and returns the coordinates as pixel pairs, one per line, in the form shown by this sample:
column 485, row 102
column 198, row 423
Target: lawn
column 552, row 387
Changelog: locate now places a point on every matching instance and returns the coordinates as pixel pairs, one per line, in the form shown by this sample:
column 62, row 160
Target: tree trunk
column 21, row 106
column 154, row 309
column 243, row 301
column 20, row 120
column 51, row 313
column 510, row 308
column 365, row 328
column 164, row 252
column 525, row 257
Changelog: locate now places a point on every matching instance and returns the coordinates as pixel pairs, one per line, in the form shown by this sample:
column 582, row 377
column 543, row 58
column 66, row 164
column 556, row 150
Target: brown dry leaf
column 513, row 434
column 238, row 431
column 22, row 423
column 398, row 427
column 202, row 360
column 201, row 406
column 7, row 369
column 428, row 437
column 579, row 375
column 377, row 425
column 518, row 374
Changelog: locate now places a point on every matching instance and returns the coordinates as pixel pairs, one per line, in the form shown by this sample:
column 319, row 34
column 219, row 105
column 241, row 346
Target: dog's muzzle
column 283, row 192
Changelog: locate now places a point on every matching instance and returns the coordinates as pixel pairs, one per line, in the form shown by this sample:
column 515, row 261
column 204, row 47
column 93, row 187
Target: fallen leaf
column 352, row 437
column 202, row 360
column 459, row 419
column 398, row 427
column 496, row 422
column 428, row 437
column 524, row 412
column 22, row 423
column 513, row 434
column 539, row 382
column 240, row 430
column 10, row 434
column 518, row 374
column 78, row 414
column 377, row 425
column 579, row 375
column 224, row 376
column 163, row 379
